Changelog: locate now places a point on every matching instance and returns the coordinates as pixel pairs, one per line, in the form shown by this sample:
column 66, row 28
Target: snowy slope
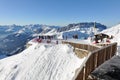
column 115, row 32
column 41, row 62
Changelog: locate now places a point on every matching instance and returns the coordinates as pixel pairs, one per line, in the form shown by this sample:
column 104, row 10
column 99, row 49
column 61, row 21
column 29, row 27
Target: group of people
column 100, row 39
column 64, row 37
column 74, row 37
column 46, row 39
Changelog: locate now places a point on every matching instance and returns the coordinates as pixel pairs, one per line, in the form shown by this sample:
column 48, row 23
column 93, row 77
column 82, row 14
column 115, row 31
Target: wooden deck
column 97, row 54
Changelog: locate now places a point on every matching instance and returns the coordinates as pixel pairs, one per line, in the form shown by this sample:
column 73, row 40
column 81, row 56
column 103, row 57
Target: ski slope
column 41, row 62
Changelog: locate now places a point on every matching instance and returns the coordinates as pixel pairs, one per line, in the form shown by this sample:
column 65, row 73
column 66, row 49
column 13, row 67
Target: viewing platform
column 94, row 56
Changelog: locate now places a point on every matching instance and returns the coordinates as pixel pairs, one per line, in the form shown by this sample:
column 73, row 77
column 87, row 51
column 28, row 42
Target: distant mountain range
column 82, row 25
column 83, row 30
column 14, row 37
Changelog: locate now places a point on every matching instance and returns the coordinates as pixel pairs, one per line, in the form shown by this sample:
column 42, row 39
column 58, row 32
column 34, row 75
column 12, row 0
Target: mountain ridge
column 22, row 34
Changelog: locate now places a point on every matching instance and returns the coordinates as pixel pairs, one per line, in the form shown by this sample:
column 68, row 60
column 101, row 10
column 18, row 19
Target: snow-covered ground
column 41, row 62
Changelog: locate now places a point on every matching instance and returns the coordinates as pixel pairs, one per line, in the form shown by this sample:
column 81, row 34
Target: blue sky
column 59, row 12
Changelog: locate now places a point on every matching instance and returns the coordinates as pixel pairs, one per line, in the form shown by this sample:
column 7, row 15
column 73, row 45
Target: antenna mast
column 95, row 30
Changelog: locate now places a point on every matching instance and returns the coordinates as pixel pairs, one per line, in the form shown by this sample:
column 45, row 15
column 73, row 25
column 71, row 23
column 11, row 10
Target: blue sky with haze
column 59, row 12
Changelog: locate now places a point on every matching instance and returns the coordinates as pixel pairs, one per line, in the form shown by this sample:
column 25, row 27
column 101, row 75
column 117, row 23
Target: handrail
column 80, row 68
column 82, row 46
column 90, row 54
column 106, row 52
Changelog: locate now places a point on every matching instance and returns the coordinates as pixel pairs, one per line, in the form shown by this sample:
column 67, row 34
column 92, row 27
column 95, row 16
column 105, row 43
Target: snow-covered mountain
column 82, row 26
column 41, row 61
column 83, row 30
column 14, row 37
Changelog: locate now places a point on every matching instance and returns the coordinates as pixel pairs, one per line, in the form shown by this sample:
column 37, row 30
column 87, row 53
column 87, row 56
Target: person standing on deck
column 66, row 37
